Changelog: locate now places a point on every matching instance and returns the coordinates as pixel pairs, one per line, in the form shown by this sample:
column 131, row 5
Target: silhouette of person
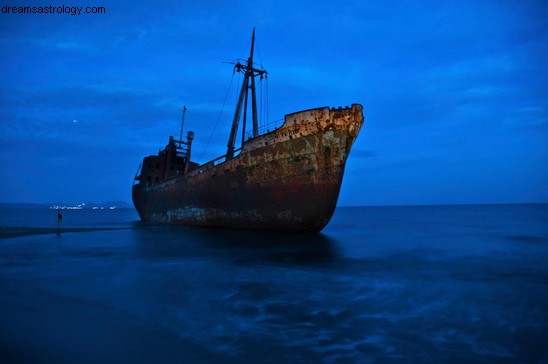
column 59, row 218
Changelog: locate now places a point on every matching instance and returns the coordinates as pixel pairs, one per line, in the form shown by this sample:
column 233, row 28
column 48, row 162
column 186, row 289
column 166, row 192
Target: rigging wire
column 218, row 117
column 262, row 102
column 237, row 95
column 262, row 108
column 267, row 102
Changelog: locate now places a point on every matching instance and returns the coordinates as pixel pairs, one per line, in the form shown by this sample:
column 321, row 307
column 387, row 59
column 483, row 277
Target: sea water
column 428, row 284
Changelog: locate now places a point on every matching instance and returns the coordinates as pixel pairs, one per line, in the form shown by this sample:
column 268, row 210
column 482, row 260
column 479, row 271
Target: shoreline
column 18, row 231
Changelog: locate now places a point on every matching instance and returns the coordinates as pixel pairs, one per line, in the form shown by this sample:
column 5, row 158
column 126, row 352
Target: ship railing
column 180, row 145
column 215, row 162
column 265, row 129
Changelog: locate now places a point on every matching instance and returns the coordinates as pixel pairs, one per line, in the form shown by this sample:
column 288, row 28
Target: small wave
column 528, row 239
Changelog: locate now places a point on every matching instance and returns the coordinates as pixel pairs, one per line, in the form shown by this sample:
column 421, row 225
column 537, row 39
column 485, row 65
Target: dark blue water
column 428, row 284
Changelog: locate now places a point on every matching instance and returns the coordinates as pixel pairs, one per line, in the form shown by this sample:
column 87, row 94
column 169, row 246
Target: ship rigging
column 287, row 178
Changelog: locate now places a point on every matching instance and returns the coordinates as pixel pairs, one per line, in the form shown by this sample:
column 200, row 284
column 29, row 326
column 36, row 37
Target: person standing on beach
column 59, row 218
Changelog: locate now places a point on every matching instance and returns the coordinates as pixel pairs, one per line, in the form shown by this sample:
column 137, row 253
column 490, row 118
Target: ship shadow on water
column 154, row 241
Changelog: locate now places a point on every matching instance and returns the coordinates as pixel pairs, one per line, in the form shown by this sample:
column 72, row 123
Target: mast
column 248, row 84
column 182, row 124
column 245, row 114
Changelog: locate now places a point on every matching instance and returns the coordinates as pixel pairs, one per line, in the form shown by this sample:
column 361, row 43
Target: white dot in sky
column 74, row 121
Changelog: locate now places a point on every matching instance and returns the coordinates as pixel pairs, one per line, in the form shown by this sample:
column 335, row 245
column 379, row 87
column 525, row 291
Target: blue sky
column 455, row 93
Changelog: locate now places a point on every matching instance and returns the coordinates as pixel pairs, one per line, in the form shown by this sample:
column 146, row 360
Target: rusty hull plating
column 287, row 179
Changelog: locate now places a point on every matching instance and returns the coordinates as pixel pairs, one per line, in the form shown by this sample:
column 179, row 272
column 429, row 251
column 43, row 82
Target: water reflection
column 237, row 246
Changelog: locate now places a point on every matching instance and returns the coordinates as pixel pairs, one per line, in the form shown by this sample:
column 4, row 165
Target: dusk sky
column 455, row 93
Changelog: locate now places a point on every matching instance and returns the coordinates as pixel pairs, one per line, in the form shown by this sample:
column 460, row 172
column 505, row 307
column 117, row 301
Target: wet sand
column 56, row 329
column 16, row 231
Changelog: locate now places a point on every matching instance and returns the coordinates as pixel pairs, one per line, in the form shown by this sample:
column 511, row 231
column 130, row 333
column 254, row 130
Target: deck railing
column 265, row 129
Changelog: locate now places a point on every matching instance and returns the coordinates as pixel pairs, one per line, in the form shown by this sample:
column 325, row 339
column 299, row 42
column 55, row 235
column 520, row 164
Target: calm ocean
column 410, row 284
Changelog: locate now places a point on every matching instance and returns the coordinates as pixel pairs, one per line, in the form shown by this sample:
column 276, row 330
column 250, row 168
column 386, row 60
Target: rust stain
column 286, row 179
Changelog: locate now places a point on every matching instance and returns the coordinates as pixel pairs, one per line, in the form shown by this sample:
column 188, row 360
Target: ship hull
column 288, row 179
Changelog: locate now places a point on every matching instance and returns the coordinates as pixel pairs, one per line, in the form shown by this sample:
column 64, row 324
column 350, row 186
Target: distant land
column 65, row 205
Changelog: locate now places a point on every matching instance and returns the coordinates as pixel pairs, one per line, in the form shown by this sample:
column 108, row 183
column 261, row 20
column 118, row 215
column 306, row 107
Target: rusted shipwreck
column 285, row 179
